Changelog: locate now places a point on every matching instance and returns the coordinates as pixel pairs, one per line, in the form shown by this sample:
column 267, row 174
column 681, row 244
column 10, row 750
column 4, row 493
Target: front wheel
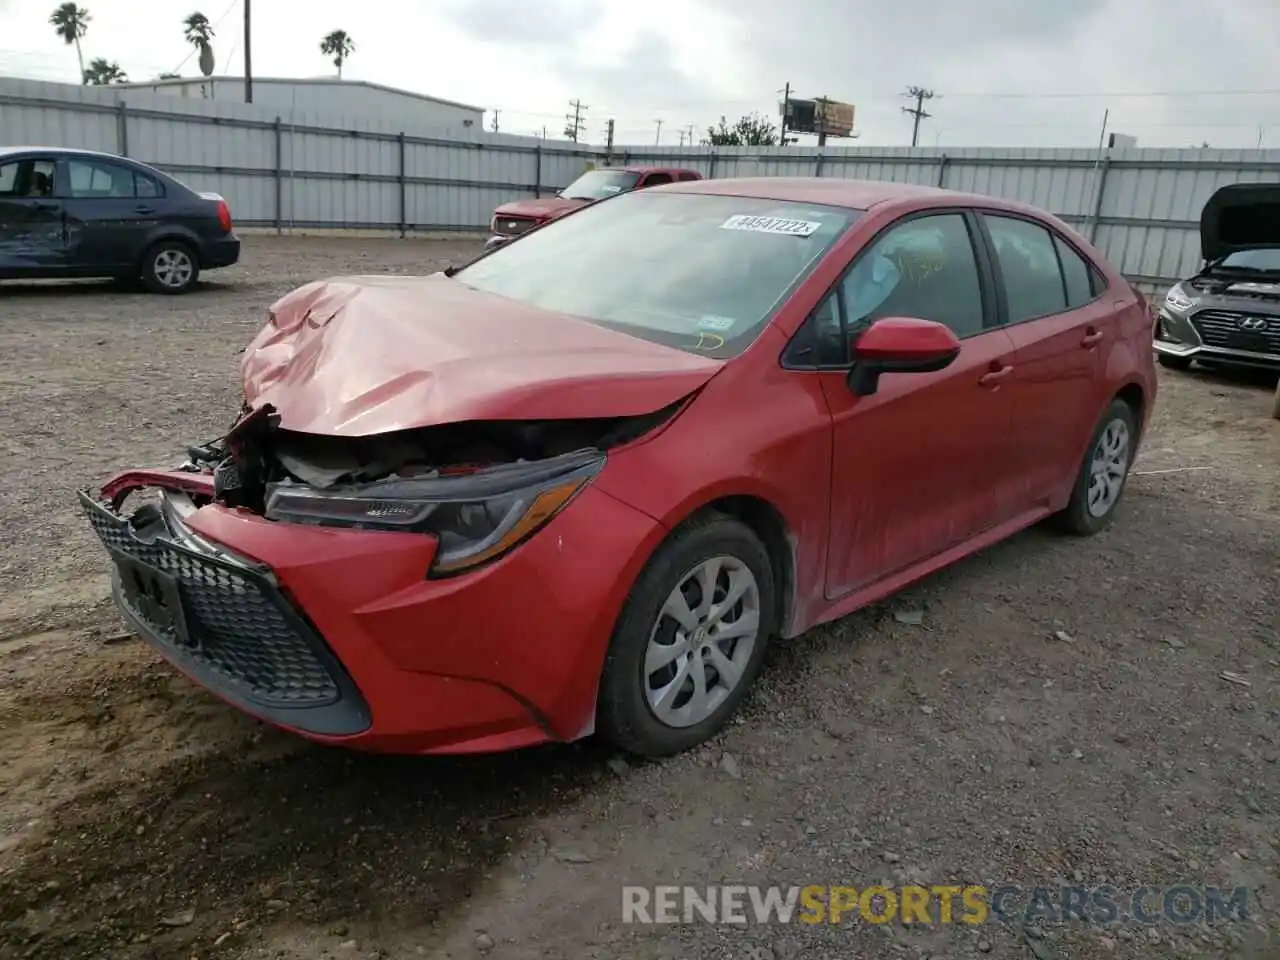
column 170, row 267
column 1100, row 482
column 690, row 639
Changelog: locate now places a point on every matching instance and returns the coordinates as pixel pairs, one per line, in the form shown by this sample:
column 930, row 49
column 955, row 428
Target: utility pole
column 574, row 124
column 657, row 137
column 786, row 110
column 494, row 125
column 821, row 120
column 691, row 134
column 248, row 57
column 608, row 141
column 918, row 112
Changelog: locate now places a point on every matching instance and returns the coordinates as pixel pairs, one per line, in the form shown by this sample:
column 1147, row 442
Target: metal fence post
column 711, row 169
column 279, row 176
column 400, row 179
column 1096, row 215
column 122, row 127
column 537, row 170
column 817, row 164
column 942, row 169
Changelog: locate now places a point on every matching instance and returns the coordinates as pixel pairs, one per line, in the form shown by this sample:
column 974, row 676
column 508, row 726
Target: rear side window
column 1075, row 274
column 1032, row 278
column 146, row 187
column 99, row 181
column 688, row 176
column 656, row 179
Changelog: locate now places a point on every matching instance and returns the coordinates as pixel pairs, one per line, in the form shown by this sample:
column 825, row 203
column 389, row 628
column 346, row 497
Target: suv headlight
column 1177, row 301
column 476, row 517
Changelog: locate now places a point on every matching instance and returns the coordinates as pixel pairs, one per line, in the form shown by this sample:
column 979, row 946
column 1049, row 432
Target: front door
column 32, row 237
column 919, row 465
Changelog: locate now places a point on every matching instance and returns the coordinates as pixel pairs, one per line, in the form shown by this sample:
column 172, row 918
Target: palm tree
column 71, row 22
column 339, row 46
column 198, row 31
column 102, row 71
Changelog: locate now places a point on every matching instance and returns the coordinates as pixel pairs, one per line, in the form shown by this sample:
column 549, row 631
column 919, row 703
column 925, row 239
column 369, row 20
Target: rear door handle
column 46, row 206
column 143, row 208
column 997, row 373
column 1091, row 337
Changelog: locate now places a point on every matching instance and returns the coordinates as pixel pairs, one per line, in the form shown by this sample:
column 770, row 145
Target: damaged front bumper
column 341, row 636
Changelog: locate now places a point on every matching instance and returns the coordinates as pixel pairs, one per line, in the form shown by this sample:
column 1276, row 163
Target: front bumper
column 1216, row 336
column 338, row 635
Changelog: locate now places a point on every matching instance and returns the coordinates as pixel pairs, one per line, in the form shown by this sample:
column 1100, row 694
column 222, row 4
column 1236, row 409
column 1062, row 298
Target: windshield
column 598, row 184
column 699, row 272
column 1266, row 261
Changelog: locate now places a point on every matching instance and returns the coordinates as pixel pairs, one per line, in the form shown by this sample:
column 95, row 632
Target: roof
column 76, row 151
column 297, row 81
column 834, row 191
column 646, row 167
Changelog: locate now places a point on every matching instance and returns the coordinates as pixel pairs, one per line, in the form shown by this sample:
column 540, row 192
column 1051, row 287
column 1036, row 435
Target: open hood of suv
column 358, row 356
column 1240, row 216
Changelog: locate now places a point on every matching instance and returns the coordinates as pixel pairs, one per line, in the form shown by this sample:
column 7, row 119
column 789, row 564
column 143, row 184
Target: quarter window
column 923, row 268
column 146, row 187
column 1029, row 270
column 1075, row 273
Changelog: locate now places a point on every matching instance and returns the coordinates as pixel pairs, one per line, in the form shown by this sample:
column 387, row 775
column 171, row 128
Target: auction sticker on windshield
column 788, row 228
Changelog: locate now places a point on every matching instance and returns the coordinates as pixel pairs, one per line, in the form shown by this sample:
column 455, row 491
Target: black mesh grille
column 230, row 620
column 1255, row 332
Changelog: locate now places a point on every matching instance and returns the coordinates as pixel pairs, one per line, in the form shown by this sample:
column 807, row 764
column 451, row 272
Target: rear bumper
column 220, row 253
column 1178, row 337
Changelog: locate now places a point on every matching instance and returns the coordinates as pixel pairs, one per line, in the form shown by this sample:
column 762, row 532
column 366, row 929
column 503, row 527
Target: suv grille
column 227, row 622
column 1255, row 332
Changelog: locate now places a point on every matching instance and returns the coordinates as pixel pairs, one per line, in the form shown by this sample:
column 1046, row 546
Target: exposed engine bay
column 256, row 454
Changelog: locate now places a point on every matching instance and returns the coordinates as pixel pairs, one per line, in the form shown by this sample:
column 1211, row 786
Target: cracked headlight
column 476, row 517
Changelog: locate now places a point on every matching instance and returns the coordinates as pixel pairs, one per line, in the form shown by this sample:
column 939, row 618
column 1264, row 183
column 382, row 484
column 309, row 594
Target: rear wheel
column 690, row 639
column 1100, row 482
column 170, row 266
column 1173, row 363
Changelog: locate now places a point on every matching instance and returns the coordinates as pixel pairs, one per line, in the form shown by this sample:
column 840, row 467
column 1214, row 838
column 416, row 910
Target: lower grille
column 1254, row 332
column 512, row 226
column 227, row 622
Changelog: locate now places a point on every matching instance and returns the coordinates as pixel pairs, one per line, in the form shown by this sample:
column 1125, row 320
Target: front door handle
column 1091, row 338
column 143, row 208
column 46, row 206
column 996, row 374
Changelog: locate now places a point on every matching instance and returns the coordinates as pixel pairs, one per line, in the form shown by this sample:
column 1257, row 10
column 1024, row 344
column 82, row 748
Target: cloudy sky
column 1006, row 72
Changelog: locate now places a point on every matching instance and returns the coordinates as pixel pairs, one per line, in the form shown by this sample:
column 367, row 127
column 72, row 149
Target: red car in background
column 580, row 483
column 521, row 216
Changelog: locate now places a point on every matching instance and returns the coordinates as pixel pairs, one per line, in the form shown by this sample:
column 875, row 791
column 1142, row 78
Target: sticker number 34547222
column 790, row 228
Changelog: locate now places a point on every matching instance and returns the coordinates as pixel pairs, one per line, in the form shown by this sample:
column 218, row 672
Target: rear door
column 1061, row 323
column 108, row 223
column 32, row 235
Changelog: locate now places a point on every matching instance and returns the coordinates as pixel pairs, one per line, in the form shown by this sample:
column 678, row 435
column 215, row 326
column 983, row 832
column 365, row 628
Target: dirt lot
column 1058, row 716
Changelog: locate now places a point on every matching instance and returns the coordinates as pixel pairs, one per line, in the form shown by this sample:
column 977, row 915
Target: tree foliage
column 752, row 130
column 102, row 71
column 338, row 45
column 71, row 22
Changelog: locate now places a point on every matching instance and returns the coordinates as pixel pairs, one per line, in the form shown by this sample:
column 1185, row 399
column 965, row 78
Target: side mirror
column 900, row 345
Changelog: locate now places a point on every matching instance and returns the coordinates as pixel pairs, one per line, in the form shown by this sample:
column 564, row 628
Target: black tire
column 623, row 716
column 171, row 267
column 1077, row 519
column 1173, row 363
column 1275, row 404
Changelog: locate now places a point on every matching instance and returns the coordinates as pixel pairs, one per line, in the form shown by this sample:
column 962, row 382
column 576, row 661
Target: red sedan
column 578, row 484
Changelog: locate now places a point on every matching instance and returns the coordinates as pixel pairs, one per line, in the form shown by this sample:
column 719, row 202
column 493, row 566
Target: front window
column 1265, row 261
column 598, row 184
column 698, row 272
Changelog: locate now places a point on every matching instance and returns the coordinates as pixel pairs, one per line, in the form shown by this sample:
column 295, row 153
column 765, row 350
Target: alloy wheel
column 703, row 639
column 173, row 268
column 1107, row 468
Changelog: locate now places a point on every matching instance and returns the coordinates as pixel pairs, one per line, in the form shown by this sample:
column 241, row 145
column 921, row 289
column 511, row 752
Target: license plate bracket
column 155, row 598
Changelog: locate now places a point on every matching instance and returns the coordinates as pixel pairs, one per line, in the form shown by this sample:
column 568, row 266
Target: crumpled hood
column 1240, row 216
column 543, row 209
column 356, row 356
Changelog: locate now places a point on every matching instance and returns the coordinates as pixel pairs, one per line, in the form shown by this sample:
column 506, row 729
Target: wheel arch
column 169, row 233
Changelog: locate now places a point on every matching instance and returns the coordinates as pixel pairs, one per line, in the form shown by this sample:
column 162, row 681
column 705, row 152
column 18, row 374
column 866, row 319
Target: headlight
column 476, row 517
column 1177, row 301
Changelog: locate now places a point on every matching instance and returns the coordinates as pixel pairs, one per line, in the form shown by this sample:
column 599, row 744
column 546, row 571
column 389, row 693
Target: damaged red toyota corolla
column 577, row 485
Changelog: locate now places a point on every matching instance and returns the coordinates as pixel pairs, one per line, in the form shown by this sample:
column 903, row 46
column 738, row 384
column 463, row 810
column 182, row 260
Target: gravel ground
column 1051, row 711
